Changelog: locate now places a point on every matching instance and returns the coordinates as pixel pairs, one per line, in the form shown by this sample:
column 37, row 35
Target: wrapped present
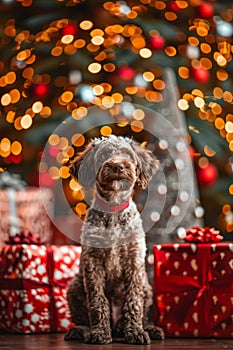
column 22, row 208
column 193, row 289
column 33, row 286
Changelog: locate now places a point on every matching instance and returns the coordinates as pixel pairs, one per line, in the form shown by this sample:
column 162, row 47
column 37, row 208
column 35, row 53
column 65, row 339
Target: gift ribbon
column 8, row 180
column 200, row 289
column 52, row 283
column 27, row 284
column 12, row 183
column 13, row 218
column 24, row 237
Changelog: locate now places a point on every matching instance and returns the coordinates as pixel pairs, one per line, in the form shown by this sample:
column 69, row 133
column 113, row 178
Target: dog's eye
column 103, row 157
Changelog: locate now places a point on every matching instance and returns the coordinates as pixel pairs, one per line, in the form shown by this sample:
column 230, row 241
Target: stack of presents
column 34, row 272
column 193, row 279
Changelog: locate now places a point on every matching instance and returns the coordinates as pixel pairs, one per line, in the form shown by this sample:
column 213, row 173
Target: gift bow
column 202, row 235
column 24, row 237
column 13, row 181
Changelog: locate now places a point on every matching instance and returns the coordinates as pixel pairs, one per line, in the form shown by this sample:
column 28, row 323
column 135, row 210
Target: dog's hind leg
column 76, row 298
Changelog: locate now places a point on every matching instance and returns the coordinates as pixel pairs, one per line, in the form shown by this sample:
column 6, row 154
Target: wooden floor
column 55, row 341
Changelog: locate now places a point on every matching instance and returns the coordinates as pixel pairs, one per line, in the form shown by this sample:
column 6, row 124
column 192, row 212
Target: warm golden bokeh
column 60, row 66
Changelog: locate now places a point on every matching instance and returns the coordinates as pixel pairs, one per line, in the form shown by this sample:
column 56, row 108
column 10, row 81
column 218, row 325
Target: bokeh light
column 106, row 56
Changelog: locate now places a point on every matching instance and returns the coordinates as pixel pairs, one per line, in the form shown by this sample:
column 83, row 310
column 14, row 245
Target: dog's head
column 114, row 164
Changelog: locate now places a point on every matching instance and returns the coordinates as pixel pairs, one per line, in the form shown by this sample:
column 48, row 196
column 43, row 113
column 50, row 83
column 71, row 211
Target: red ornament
column 207, row 176
column 46, row 180
column 126, row 73
column 157, row 42
column 70, row 29
column 174, row 7
column 53, row 151
column 200, row 74
column 205, row 10
column 192, row 152
column 16, row 158
column 41, row 90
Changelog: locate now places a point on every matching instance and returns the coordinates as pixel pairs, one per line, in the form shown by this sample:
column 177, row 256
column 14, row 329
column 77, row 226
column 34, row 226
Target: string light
column 26, row 121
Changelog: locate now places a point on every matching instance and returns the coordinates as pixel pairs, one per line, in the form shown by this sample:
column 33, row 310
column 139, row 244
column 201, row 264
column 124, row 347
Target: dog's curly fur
column 110, row 296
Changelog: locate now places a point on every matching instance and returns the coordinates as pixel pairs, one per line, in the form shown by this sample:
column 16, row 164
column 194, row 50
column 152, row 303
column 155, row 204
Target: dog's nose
column 118, row 167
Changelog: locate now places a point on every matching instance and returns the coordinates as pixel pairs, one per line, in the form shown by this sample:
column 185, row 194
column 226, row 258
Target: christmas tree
column 60, row 57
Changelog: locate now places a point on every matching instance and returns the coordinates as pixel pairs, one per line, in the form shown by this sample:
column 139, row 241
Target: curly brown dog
column 111, row 296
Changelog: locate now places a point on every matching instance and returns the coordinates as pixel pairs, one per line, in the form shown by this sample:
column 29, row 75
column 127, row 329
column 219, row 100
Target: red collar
column 111, row 207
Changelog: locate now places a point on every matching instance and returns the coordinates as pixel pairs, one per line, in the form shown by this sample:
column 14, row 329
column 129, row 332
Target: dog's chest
column 105, row 230
column 114, row 264
column 118, row 259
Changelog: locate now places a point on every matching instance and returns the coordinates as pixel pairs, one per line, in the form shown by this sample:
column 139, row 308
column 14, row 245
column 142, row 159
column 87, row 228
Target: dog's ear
column 82, row 167
column 147, row 165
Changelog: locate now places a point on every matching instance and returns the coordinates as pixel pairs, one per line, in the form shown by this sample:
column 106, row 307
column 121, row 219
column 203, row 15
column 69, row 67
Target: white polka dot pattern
column 28, row 310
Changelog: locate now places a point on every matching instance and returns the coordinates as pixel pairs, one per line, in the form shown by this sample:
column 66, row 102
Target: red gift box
column 33, row 285
column 193, row 289
column 23, row 209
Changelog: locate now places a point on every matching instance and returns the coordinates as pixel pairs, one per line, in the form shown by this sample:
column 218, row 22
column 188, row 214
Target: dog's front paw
column 98, row 336
column 137, row 336
column 155, row 333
